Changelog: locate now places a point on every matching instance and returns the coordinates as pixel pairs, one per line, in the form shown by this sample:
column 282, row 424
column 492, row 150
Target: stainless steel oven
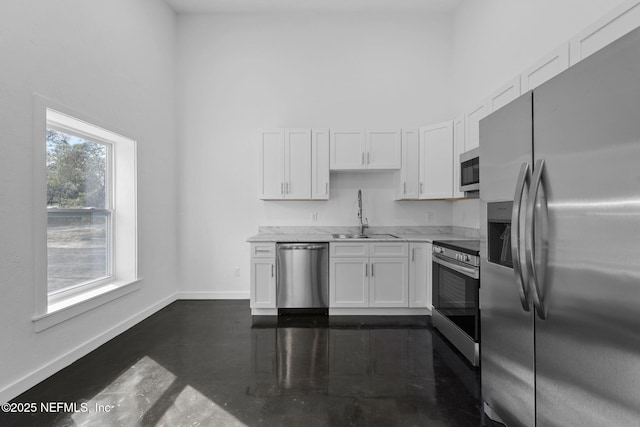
column 456, row 286
column 470, row 170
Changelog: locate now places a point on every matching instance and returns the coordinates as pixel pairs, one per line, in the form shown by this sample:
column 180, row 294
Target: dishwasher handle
column 301, row 246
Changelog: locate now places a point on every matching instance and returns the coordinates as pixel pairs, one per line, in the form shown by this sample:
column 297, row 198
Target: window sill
column 81, row 303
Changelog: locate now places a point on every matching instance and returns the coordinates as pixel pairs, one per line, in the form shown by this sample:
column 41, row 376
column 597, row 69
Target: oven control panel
column 453, row 254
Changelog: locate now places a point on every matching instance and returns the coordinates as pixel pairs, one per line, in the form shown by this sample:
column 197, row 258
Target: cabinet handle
column 363, row 157
column 271, row 270
column 282, row 188
column 287, row 187
column 367, row 158
column 262, row 251
column 413, row 254
column 371, row 269
column 420, row 188
column 326, row 187
column 366, row 270
column 404, row 186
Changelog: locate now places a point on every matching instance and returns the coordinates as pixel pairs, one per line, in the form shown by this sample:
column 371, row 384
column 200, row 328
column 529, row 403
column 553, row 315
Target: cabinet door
column 472, row 125
column 458, row 148
column 348, row 282
column 409, row 171
column 347, row 149
column 389, row 282
column 611, row 27
column 436, row 161
column 320, row 164
column 420, row 275
column 383, row 149
column 297, row 157
column 263, row 283
column 504, row 95
column 272, row 164
column 550, row 65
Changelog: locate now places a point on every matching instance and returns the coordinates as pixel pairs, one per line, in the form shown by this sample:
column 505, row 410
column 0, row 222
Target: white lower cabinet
column 420, row 279
column 348, row 282
column 388, row 282
column 263, row 276
column 357, row 279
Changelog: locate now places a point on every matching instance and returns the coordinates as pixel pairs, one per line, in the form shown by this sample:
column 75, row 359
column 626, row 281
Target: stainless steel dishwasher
column 302, row 279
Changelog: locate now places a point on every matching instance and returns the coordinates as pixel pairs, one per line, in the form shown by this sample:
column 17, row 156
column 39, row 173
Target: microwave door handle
column 519, row 267
column 530, row 248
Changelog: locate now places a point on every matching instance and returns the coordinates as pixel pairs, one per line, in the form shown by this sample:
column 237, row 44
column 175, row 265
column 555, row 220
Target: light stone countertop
column 325, row 234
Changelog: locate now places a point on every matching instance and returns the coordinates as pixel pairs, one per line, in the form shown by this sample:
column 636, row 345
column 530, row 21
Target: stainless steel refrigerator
column 560, row 248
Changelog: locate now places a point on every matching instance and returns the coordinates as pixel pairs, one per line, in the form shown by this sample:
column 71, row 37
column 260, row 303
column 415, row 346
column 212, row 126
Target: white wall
column 241, row 72
column 495, row 40
column 114, row 61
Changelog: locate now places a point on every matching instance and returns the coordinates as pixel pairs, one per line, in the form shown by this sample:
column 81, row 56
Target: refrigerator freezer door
column 507, row 352
column 587, row 130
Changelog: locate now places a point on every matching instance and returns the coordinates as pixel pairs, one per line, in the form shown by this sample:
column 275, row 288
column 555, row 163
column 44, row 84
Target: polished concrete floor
column 210, row 363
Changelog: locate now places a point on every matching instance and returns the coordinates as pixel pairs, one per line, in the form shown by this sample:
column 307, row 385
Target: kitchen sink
column 364, row 236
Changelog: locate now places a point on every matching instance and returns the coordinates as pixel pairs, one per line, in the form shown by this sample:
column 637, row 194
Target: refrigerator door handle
column 519, row 267
column 530, row 237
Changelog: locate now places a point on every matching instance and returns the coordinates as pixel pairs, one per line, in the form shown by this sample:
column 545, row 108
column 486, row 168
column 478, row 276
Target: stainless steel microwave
column 470, row 170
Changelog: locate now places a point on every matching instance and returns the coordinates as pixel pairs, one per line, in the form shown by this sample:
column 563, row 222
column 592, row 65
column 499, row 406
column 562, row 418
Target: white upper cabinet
column 436, row 161
column 611, row 27
column 504, row 95
column 547, row 67
column 285, row 164
column 360, row 149
column 458, row 148
column 472, row 125
column 272, row 164
column 347, row 149
column 383, row 149
column 407, row 186
column 320, row 164
column 297, row 154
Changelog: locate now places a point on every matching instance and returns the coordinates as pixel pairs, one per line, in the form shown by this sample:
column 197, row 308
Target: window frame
column 121, row 209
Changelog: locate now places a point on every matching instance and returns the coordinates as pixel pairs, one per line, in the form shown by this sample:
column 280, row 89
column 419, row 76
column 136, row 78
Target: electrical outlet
column 429, row 216
column 314, row 217
column 236, row 272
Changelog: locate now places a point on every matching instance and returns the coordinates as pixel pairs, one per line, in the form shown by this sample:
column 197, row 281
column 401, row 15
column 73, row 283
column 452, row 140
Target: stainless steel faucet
column 364, row 222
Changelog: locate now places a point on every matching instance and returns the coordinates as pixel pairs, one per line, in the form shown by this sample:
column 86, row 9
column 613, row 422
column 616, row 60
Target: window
column 86, row 229
column 79, row 214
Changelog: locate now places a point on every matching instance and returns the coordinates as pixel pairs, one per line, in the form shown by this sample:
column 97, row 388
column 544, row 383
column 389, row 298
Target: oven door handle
column 472, row 272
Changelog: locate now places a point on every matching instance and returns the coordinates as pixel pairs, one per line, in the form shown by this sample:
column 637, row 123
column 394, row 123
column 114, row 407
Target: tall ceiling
column 216, row 6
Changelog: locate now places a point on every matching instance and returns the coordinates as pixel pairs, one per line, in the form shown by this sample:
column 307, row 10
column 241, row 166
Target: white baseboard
column 367, row 311
column 25, row 383
column 213, row 295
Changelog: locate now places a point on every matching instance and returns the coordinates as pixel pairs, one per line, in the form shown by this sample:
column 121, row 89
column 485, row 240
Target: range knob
column 438, row 249
column 465, row 258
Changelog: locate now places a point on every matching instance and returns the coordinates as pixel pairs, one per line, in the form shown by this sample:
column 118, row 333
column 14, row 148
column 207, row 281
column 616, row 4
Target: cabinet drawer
column 399, row 249
column 349, row 249
column 263, row 250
